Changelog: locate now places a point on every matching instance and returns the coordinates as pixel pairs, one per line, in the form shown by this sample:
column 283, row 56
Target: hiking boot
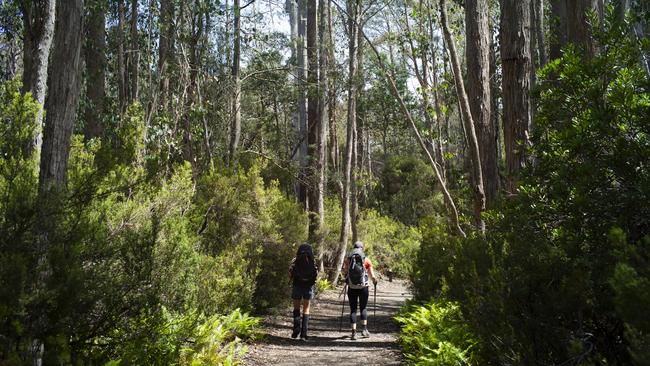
column 305, row 326
column 296, row 330
column 296, row 324
column 365, row 333
column 354, row 335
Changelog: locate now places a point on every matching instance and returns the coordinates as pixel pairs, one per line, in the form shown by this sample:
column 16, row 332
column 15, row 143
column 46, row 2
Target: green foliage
column 437, row 334
column 179, row 339
column 18, row 190
column 391, row 244
column 405, row 190
column 131, row 273
column 333, row 217
column 322, row 284
column 561, row 276
column 241, row 218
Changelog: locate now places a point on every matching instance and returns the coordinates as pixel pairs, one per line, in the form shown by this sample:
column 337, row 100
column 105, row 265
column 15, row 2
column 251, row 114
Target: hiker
column 303, row 272
column 356, row 269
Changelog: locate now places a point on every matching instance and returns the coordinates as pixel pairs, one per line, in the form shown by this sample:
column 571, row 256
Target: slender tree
column 121, row 59
column 95, row 58
column 578, row 29
column 64, row 85
column 302, row 63
column 134, row 54
column 165, row 48
column 353, row 10
column 468, row 121
column 570, row 25
column 38, row 27
column 516, row 64
column 314, row 119
column 537, row 39
column 323, row 82
column 477, row 35
column 235, row 124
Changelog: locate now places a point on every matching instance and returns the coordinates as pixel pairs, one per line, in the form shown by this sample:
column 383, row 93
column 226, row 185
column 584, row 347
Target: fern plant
column 436, row 334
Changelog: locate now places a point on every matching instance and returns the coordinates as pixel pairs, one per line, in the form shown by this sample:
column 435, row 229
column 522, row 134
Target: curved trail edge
column 328, row 346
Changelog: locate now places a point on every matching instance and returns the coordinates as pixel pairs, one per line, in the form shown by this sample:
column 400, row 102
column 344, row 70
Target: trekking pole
column 342, row 309
column 375, row 305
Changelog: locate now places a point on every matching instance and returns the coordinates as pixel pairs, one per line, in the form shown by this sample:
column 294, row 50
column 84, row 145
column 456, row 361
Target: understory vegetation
column 562, row 274
column 147, row 271
column 162, row 160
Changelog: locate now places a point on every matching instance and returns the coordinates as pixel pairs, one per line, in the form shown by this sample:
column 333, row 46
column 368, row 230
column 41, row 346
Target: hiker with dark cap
column 357, row 269
column 303, row 272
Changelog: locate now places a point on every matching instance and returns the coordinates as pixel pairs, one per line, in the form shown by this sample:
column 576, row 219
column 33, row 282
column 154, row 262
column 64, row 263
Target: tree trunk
column 95, row 58
column 621, row 7
column 578, row 30
column 437, row 102
column 558, row 28
column 134, row 53
column 297, row 46
column 121, row 61
column 516, row 66
column 570, row 25
column 314, row 121
column 196, row 31
column 472, row 141
column 235, row 124
column 354, row 189
column 496, row 102
column 331, row 105
column 38, row 23
column 165, row 48
column 64, row 84
column 302, row 101
column 322, row 130
column 478, row 91
column 353, row 29
column 357, row 153
column 537, row 41
column 64, row 87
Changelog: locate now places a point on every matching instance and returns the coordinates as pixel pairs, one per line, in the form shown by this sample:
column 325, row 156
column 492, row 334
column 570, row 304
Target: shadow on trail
column 325, row 342
column 330, row 340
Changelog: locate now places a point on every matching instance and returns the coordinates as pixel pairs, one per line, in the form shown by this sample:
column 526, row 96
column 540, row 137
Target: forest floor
column 327, row 345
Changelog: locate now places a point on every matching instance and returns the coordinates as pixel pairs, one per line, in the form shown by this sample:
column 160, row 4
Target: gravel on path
column 327, row 345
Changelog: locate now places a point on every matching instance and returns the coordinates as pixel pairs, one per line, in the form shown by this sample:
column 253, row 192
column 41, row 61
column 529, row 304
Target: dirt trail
column 328, row 346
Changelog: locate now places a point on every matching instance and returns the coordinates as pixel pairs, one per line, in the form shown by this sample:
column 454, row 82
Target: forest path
column 328, row 346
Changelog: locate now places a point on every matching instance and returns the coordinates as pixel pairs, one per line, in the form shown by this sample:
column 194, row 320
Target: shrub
column 436, row 334
column 561, row 276
column 253, row 232
column 322, row 284
column 391, row 244
column 405, row 190
column 167, row 338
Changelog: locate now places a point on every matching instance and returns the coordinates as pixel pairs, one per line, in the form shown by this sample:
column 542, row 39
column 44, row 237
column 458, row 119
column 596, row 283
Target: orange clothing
column 367, row 264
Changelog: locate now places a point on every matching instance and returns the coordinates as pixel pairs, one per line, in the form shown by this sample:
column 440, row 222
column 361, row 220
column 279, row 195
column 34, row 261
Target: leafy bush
column 322, row 284
column 405, row 190
column 130, row 270
column 436, row 334
column 180, row 339
column 561, row 276
column 253, row 232
column 391, row 244
column 18, row 191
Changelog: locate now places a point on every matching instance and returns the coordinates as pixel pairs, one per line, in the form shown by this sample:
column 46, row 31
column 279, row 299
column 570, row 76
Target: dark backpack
column 357, row 275
column 304, row 270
